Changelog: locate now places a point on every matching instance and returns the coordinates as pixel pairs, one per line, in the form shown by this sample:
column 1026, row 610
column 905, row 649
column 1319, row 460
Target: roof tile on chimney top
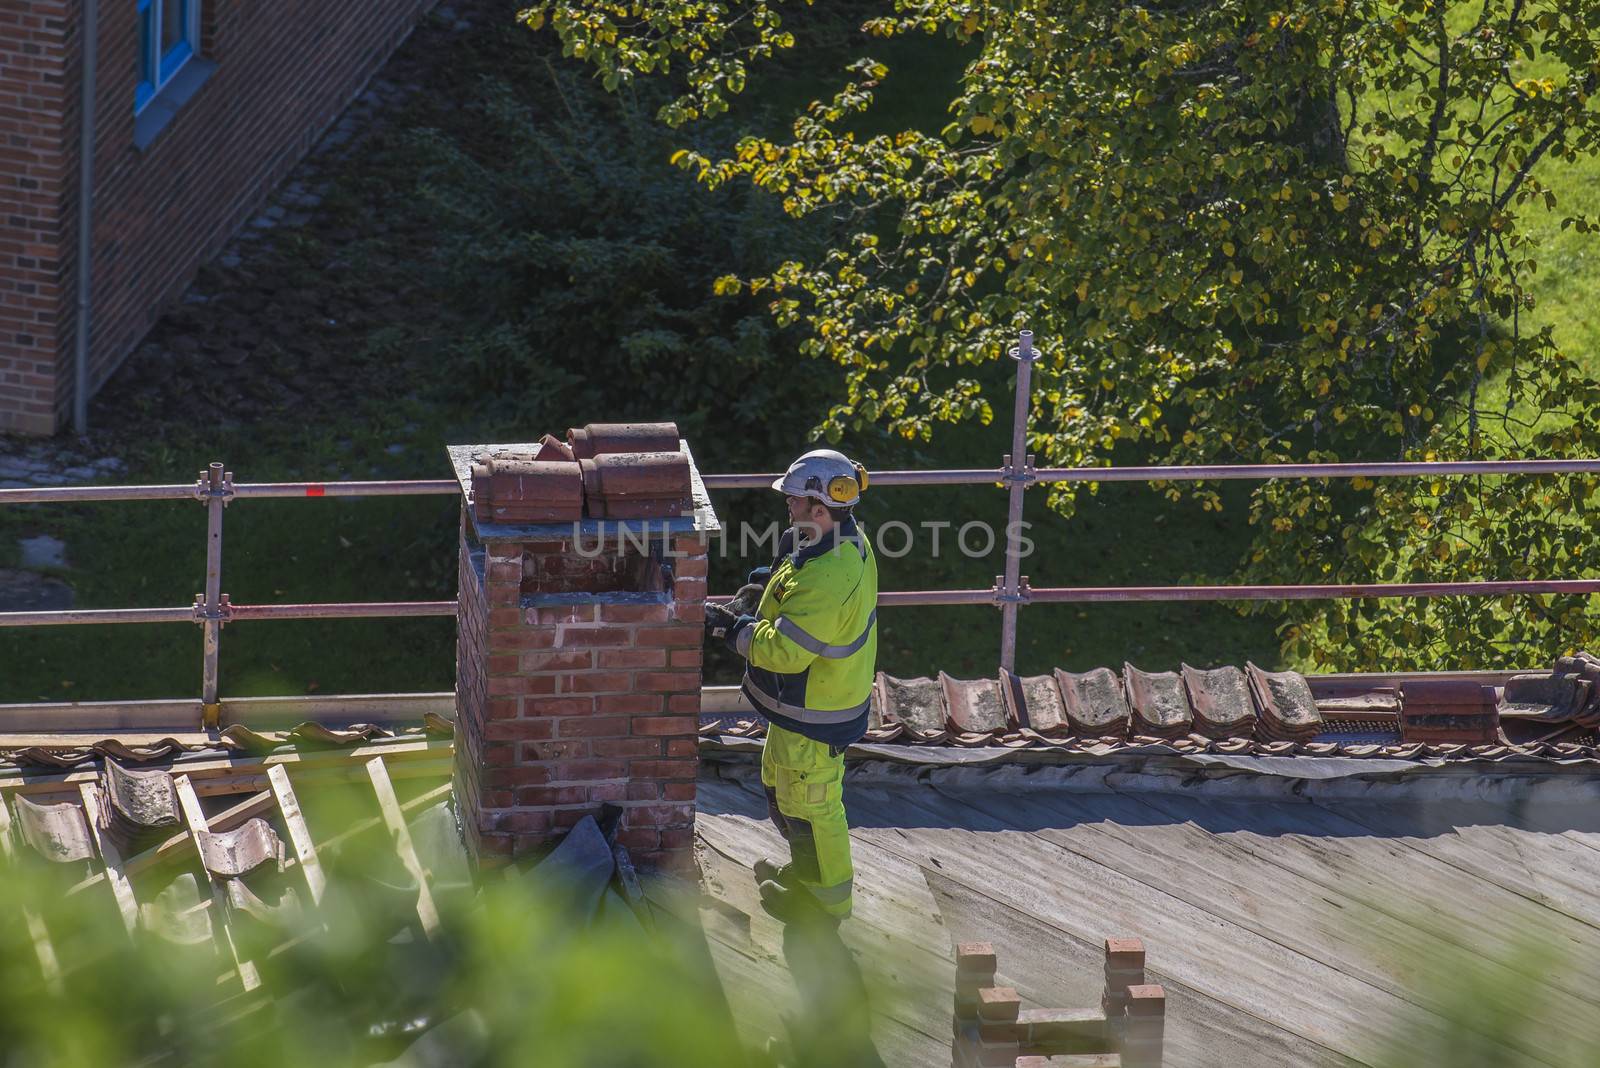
column 555, row 450
column 637, row 485
column 596, row 439
column 520, row 490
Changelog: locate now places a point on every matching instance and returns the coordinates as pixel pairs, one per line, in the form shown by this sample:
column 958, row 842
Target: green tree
column 1246, row 230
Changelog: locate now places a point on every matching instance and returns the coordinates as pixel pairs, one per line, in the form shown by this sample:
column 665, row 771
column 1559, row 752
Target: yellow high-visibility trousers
column 804, row 780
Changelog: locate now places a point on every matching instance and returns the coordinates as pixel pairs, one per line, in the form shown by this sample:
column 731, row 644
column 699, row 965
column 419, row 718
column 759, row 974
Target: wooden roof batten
column 43, row 948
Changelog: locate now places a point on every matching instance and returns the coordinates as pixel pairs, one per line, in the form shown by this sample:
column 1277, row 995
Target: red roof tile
column 1159, row 704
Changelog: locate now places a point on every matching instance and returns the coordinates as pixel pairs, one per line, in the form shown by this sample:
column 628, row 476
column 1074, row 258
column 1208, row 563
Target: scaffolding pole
column 1018, row 472
column 214, row 488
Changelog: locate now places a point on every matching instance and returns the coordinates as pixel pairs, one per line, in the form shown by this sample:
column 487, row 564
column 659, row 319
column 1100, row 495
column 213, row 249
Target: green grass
column 152, row 554
column 1569, row 262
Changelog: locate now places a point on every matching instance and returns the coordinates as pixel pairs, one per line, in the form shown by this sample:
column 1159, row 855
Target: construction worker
column 811, row 648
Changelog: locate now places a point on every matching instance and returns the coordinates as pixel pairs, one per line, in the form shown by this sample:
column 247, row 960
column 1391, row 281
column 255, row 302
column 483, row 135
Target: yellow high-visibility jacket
column 813, row 649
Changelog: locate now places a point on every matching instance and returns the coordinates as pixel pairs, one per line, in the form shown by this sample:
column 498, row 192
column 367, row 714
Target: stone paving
column 26, row 462
column 43, row 551
column 29, row 591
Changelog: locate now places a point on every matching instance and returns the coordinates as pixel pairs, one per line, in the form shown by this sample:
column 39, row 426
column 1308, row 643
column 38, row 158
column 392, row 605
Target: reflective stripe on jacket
column 813, row 650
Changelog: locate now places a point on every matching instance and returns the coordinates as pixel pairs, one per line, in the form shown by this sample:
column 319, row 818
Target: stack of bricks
column 991, row 1028
column 579, row 681
column 1135, row 1011
column 1449, row 712
column 1124, row 969
column 984, row 1025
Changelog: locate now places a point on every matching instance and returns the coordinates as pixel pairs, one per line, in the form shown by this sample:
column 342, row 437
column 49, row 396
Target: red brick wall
column 285, row 71
column 581, row 704
column 36, row 37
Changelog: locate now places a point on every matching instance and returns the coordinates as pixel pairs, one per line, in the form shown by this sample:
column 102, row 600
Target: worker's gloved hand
column 740, row 625
column 747, row 600
column 760, row 577
column 719, row 621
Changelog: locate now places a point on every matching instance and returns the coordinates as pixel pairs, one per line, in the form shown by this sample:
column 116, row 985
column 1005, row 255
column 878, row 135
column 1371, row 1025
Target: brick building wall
column 284, row 72
column 36, row 174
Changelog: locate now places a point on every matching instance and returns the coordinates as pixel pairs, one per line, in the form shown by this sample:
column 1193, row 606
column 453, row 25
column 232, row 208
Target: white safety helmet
column 826, row 475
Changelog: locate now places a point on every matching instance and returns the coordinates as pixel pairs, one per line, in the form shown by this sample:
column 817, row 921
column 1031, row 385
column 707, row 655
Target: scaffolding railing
column 215, row 489
column 1011, row 591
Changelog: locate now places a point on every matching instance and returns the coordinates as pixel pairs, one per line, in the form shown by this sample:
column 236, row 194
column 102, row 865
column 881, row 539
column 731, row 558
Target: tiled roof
column 1234, row 712
column 245, row 878
column 62, row 752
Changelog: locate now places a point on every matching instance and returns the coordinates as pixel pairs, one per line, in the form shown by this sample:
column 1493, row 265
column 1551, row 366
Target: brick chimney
column 578, row 658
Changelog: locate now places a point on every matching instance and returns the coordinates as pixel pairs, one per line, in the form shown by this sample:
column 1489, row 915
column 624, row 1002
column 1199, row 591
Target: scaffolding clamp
column 222, row 613
column 1024, row 594
column 214, row 482
column 1027, row 474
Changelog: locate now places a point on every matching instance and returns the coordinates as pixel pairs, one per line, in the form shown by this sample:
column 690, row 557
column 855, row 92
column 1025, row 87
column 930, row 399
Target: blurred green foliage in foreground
column 1493, row 1013
column 513, row 979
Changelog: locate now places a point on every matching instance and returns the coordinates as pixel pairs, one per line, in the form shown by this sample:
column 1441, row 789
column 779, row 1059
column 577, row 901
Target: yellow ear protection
column 843, row 488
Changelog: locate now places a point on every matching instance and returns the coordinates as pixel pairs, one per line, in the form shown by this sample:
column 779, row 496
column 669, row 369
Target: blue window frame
column 169, row 33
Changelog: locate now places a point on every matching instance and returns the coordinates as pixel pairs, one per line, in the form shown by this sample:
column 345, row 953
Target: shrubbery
column 586, row 267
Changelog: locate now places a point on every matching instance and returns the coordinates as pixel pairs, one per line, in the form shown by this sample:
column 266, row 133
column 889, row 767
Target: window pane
column 146, row 68
column 173, row 30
